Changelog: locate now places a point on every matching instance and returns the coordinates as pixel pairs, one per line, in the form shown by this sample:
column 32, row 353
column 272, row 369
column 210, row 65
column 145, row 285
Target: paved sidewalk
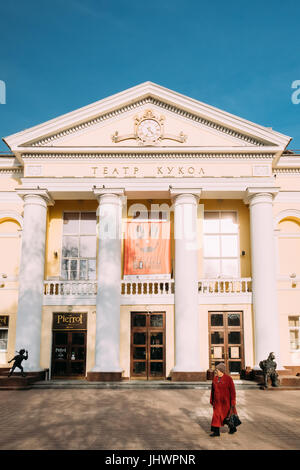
column 143, row 419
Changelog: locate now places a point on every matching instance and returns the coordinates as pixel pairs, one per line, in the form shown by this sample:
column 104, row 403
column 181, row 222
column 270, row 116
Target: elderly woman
column 222, row 399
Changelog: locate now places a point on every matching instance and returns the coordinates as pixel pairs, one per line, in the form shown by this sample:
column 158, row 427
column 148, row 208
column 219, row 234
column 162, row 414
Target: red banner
column 147, row 248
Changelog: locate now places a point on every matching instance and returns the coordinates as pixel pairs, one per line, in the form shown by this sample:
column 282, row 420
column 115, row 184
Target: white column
column 187, row 332
column 107, row 349
column 31, row 276
column 265, row 304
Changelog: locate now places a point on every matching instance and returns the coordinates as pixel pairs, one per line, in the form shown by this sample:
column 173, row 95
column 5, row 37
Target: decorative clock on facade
column 149, row 130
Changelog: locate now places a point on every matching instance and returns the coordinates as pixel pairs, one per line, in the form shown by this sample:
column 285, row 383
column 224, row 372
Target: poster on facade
column 147, row 248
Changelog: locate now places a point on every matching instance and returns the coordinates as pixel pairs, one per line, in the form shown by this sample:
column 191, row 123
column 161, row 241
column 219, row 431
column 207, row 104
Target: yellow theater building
column 150, row 236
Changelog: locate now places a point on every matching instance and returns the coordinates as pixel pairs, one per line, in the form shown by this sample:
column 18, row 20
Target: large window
column 3, row 339
column 79, row 246
column 221, row 244
column 294, row 327
column 4, row 320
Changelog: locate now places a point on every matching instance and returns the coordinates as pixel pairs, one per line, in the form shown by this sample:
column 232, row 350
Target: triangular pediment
column 147, row 115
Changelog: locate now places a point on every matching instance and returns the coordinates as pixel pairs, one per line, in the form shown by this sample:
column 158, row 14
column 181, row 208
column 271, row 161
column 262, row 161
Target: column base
column 104, row 376
column 177, row 376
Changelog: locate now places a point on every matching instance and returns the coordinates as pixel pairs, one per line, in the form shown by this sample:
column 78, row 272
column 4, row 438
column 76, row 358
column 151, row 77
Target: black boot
column 215, row 432
column 232, row 430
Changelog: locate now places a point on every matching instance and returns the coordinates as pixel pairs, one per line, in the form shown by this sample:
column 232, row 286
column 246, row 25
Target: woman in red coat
column 222, row 398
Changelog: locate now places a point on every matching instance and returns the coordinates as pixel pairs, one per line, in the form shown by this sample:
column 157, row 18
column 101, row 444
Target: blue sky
column 59, row 55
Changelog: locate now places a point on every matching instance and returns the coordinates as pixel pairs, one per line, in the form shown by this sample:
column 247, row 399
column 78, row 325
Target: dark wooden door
column 226, row 340
column 148, row 345
column 68, row 354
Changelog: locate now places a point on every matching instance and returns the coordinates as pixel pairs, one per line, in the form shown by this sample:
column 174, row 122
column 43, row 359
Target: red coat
column 222, row 398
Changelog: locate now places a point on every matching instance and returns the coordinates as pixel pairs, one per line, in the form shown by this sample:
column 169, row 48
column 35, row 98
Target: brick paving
column 144, row 419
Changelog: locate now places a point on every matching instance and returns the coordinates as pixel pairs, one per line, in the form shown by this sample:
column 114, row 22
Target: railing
column 89, row 288
column 70, row 288
column 147, row 287
column 225, row 286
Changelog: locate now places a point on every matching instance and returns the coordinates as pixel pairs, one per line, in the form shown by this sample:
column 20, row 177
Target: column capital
column 265, row 194
column 176, row 192
column 100, row 192
column 35, row 193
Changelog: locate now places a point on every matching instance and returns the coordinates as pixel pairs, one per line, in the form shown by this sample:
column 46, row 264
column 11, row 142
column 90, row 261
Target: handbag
column 232, row 420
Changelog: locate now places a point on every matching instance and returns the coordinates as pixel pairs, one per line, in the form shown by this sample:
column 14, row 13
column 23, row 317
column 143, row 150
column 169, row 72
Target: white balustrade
column 70, row 288
column 148, row 287
column 221, row 286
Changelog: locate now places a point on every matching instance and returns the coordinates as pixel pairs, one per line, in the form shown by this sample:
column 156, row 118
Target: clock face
column 149, row 130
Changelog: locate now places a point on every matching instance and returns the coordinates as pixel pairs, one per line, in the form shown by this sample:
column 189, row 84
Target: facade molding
column 9, row 196
column 137, row 104
column 284, row 214
column 147, row 155
column 290, row 197
column 150, row 93
column 12, row 215
column 286, row 170
column 231, row 187
column 11, row 171
column 203, row 299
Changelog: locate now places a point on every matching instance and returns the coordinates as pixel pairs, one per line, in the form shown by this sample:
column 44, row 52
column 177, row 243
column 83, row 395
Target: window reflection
column 156, row 338
column 139, row 320
column 156, row 320
column 220, row 240
column 139, row 367
column 139, row 338
column 234, row 319
column 79, row 246
column 156, row 368
column 217, row 337
column 234, row 337
column 216, row 319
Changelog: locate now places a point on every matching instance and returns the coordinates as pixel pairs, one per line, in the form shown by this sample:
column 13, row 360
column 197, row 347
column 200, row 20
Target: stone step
column 83, row 384
column 285, row 372
column 16, row 382
column 289, row 381
column 294, row 369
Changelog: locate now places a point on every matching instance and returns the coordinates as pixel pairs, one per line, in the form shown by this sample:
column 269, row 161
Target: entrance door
column 226, row 340
column 147, row 345
column 68, row 354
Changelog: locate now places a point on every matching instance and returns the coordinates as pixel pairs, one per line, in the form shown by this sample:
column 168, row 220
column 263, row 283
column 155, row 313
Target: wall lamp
column 292, row 278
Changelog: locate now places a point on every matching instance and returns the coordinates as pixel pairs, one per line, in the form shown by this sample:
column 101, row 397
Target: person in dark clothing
column 21, row 356
column 223, row 400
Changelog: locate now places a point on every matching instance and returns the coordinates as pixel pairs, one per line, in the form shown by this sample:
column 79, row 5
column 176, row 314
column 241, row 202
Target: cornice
column 149, row 100
column 286, row 170
column 144, row 155
column 11, row 171
column 149, row 93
